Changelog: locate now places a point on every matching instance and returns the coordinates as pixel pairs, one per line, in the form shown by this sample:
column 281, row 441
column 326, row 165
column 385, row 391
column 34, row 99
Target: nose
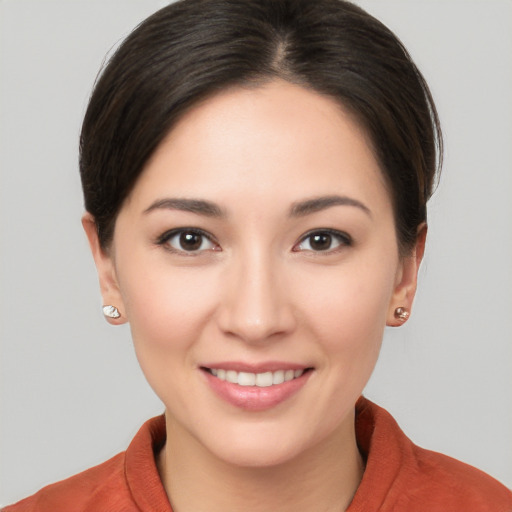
column 256, row 303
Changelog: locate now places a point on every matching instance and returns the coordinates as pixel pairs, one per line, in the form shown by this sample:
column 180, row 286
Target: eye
column 324, row 240
column 187, row 241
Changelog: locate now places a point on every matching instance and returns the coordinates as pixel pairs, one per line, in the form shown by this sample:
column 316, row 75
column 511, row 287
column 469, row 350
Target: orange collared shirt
column 399, row 477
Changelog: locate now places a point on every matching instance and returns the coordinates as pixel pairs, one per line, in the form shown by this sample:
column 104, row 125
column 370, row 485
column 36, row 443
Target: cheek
column 167, row 309
column 353, row 303
column 348, row 313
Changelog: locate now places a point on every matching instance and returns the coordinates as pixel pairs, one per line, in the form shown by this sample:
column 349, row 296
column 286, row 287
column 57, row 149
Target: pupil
column 190, row 241
column 321, row 242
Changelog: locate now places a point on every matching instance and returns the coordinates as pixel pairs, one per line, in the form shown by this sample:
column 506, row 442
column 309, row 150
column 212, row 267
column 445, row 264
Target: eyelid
column 343, row 238
column 171, row 233
column 346, row 240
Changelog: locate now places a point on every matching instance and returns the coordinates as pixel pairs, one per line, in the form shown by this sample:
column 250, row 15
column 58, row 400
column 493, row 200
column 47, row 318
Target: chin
column 266, row 444
column 246, row 453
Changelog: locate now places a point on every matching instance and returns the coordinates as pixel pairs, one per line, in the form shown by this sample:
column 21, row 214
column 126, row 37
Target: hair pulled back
column 192, row 49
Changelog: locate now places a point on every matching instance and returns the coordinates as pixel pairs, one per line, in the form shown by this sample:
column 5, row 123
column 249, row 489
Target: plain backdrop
column 72, row 394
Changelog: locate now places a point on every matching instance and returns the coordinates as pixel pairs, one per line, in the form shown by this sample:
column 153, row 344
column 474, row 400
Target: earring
column 402, row 314
column 111, row 312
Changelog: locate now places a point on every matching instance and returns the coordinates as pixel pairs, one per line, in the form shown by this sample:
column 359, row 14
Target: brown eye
column 187, row 241
column 190, row 241
column 320, row 242
column 323, row 241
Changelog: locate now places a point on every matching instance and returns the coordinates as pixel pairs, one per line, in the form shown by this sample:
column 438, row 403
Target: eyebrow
column 199, row 206
column 298, row 209
column 316, row 204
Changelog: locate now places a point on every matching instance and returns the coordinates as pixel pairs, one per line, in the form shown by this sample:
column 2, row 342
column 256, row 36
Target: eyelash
column 343, row 239
column 164, row 239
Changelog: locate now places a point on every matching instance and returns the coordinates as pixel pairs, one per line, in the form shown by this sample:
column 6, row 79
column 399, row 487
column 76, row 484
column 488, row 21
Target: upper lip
column 268, row 366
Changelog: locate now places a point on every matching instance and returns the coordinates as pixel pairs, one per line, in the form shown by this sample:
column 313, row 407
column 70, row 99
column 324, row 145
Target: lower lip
column 254, row 398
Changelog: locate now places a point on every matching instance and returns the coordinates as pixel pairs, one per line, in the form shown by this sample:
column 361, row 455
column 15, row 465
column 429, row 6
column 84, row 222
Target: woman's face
column 259, row 246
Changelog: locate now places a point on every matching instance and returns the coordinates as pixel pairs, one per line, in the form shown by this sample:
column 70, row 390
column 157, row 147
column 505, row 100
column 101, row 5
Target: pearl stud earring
column 402, row 314
column 111, row 312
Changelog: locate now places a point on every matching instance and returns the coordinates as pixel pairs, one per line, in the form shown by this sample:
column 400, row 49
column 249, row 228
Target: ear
column 407, row 279
column 106, row 271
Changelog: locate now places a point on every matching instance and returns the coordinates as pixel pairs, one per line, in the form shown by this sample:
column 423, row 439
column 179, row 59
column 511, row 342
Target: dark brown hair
column 192, row 49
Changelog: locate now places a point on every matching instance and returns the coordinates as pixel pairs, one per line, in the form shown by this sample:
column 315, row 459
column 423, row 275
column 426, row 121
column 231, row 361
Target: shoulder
column 121, row 483
column 401, row 476
column 451, row 485
column 101, row 484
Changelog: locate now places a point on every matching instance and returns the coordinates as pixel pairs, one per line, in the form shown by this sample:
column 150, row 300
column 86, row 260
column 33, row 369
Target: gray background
column 71, row 391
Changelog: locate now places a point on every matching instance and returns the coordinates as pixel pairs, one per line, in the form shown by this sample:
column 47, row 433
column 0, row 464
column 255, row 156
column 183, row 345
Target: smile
column 266, row 386
column 262, row 380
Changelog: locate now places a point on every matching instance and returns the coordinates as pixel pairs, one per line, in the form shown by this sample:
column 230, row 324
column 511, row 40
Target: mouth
column 260, row 380
column 263, row 388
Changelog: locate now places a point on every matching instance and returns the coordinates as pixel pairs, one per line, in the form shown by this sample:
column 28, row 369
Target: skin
column 257, row 292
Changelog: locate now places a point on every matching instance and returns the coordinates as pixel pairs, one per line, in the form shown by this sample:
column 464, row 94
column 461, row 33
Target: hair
column 193, row 49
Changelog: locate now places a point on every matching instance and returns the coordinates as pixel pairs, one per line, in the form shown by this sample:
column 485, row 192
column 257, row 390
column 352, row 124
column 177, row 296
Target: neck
column 324, row 478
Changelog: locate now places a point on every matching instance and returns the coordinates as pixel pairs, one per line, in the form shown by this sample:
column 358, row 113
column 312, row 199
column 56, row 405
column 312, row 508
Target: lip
column 269, row 366
column 254, row 398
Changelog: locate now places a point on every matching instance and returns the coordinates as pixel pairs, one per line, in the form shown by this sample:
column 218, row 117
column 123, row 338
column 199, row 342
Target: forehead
column 277, row 138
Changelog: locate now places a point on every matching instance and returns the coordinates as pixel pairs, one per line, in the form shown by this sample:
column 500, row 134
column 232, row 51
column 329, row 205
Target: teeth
column 264, row 380
column 261, row 380
column 246, row 379
column 232, row 376
column 278, row 377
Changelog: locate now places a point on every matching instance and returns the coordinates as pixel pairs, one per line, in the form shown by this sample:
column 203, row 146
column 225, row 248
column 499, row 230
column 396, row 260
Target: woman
column 255, row 177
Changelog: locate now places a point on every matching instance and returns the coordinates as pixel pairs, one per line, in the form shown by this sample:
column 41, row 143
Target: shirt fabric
column 399, row 477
